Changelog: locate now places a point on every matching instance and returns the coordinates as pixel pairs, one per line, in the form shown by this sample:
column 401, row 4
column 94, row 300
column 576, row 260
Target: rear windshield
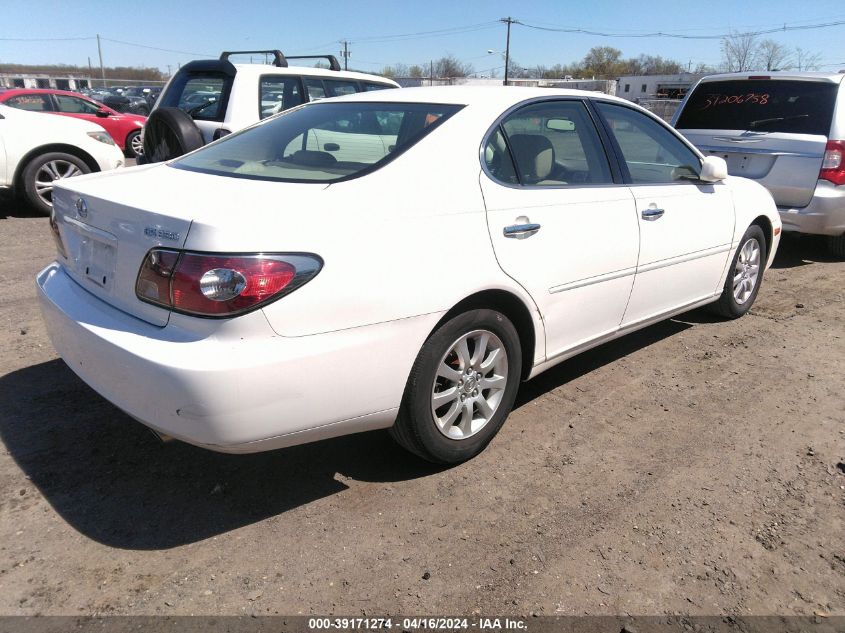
column 202, row 95
column 766, row 105
column 322, row 142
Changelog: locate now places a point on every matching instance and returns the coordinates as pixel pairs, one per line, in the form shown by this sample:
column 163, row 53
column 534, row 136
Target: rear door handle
column 652, row 214
column 521, row 231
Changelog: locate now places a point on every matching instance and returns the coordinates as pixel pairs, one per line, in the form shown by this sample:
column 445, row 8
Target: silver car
column 785, row 130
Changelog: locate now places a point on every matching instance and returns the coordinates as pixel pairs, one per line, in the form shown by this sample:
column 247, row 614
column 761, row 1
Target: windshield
column 764, row 105
column 323, row 142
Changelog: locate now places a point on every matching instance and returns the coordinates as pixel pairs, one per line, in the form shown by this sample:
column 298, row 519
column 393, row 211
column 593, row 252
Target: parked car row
column 37, row 151
column 125, row 129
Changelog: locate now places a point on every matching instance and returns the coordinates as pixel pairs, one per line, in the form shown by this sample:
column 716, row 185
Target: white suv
column 221, row 97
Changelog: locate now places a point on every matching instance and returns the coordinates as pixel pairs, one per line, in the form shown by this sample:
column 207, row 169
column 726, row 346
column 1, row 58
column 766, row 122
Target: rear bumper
column 227, row 391
column 825, row 215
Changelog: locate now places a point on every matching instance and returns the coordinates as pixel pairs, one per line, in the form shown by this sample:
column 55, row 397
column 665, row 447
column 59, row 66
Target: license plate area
column 747, row 165
column 94, row 253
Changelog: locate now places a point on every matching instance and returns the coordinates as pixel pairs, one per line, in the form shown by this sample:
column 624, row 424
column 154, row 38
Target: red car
column 125, row 129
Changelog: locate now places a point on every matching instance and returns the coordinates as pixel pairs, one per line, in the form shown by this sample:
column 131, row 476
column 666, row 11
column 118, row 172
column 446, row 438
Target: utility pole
column 508, row 20
column 431, row 73
column 102, row 68
column 345, row 54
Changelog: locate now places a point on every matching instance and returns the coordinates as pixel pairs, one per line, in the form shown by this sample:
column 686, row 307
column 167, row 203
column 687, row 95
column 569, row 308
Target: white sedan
column 37, row 150
column 291, row 283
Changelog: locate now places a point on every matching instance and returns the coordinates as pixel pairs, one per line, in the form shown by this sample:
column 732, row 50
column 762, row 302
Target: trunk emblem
column 161, row 234
column 82, row 207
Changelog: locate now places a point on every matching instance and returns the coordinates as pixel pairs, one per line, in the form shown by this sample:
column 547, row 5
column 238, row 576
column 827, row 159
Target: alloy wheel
column 746, row 271
column 50, row 172
column 470, row 384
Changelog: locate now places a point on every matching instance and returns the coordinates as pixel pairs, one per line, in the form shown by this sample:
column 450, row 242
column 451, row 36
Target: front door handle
column 522, row 229
column 652, row 214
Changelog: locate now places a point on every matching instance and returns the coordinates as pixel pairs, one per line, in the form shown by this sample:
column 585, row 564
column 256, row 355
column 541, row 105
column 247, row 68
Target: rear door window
column 371, row 86
column 764, row 105
column 278, row 93
column 338, row 88
column 315, row 88
column 553, row 143
column 75, row 105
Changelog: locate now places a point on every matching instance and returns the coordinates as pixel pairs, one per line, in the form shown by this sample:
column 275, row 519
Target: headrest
column 534, row 154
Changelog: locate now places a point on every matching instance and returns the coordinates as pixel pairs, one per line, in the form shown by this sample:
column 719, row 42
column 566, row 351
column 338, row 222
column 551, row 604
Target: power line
column 155, row 48
column 45, row 39
column 683, row 36
column 435, row 33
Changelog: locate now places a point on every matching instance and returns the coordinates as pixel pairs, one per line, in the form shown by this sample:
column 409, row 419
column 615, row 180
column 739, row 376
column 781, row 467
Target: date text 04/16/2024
column 418, row 624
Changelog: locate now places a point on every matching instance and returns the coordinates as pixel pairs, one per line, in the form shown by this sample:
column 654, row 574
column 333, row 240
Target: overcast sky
column 194, row 29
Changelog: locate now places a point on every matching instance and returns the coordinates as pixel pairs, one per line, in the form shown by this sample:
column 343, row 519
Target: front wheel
column 42, row 172
column 134, row 144
column 744, row 275
column 461, row 388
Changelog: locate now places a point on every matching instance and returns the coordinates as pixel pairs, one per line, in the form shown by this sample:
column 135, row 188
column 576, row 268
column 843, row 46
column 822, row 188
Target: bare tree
column 603, row 61
column 774, row 56
column 739, row 52
column 651, row 65
column 451, row 66
column 416, row 72
column 396, row 70
column 805, row 60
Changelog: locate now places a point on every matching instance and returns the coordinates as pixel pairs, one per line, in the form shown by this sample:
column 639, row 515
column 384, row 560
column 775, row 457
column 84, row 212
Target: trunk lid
column 773, row 130
column 786, row 164
column 128, row 213
column 106, row 232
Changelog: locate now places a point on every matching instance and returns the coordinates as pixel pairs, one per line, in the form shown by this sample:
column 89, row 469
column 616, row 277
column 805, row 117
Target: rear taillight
column 220, row 285
column 833, row 164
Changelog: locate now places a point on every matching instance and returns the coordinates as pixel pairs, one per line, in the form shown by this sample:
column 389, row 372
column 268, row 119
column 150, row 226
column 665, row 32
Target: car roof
column 314, row 71
column 776, row 74
column 43, row 91
column 496, row 96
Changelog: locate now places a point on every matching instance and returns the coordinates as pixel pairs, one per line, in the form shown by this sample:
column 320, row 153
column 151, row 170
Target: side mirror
column 713, row 169
column 103, row 113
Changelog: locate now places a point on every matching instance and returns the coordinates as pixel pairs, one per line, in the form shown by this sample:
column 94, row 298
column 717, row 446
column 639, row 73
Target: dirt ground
column 695, row 467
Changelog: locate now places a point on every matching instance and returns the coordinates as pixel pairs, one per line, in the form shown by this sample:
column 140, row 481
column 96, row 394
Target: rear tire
column 461, row 388
column 836, row 245
column 42, row 171
column 744, row 275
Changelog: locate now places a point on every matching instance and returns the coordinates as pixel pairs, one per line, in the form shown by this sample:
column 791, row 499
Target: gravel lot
column 694, row 467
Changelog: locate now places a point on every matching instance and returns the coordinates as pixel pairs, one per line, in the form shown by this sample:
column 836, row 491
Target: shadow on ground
column 13, row 207
column 801, row 250
column 110, row 479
